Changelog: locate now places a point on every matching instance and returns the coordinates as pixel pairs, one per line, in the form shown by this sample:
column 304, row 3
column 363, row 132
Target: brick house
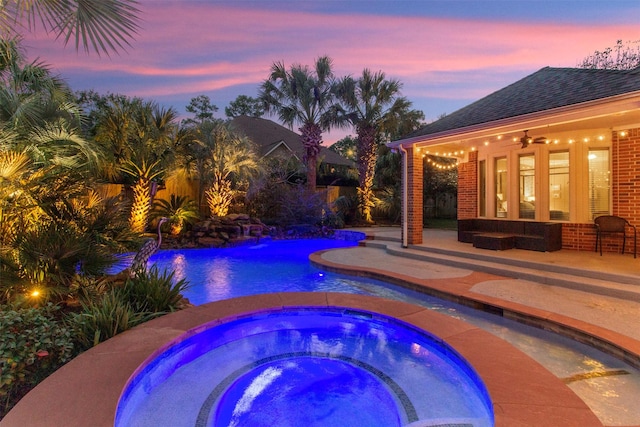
column 560, row 145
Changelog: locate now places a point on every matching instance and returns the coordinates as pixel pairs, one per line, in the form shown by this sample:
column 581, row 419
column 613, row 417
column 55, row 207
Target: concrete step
column 613, row 285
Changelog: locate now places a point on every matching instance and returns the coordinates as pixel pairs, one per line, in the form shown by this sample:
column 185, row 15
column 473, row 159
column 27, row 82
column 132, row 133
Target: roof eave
column 279, row 144
column 560, row 115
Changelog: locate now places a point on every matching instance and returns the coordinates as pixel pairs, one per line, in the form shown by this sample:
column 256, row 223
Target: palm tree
column 219, row 158
column 193, row 147
column 231, row 160
column 39, row 133
column 305, row 97
column 139, row 137
column 144, row 176
column 104, row 25
column 29, row 92
column 373, row 106
column 179, row 210
column 51, row 226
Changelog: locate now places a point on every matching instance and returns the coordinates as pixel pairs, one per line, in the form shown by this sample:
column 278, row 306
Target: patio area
column 592, row 298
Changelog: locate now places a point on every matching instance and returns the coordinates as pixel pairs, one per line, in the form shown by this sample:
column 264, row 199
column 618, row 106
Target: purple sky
column 446, row 53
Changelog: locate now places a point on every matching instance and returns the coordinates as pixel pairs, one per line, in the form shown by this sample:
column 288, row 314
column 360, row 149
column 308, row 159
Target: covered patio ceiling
column 574, row 123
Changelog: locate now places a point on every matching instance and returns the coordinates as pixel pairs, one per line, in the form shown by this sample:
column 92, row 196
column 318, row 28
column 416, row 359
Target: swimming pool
column 307, row 367
column 282, row 266
column 272, row 266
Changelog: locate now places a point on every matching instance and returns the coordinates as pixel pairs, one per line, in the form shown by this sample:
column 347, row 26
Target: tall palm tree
column 102, row 25
column 305, row 97
column 373, row 105
column 194, row 143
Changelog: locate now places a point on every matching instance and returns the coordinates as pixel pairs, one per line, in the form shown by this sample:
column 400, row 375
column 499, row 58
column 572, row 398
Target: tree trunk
column 219, row 197
column 141, row 206
column 311, row 138
column 367, row 156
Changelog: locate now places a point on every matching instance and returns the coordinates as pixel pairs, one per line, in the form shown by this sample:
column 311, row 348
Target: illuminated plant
column 228, row 159
column 219, row 197
column 180, row 210
column 144, row 175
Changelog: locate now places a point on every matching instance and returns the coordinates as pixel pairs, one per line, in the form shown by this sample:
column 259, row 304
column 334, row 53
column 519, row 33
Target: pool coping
column 86, row 390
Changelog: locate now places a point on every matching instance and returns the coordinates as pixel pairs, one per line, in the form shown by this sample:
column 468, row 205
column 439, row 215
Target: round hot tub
column 306, row 366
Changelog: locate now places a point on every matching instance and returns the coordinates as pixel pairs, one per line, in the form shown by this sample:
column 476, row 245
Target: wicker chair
column 611, row 224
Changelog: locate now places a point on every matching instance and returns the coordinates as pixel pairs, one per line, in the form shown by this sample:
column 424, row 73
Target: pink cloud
column 200, row 47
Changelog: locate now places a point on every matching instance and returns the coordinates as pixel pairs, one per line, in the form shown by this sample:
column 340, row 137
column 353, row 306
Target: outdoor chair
column 611, row 224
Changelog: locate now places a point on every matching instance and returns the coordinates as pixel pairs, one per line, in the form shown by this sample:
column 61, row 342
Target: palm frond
column 102, row 25
column 13, row 165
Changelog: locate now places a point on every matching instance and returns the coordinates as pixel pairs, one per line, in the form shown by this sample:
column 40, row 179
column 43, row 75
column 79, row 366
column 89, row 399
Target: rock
column 237, row 217
column 210, row 242
column 232, row 230
column 238, row 229
column 202, row 226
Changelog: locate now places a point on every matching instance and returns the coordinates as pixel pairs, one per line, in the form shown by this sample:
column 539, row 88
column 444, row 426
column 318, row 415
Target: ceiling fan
column 526, row 140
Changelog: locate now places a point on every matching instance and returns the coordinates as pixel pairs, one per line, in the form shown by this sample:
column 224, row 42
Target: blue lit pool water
column 307, row 367
column 281, row 266
column 273, row 266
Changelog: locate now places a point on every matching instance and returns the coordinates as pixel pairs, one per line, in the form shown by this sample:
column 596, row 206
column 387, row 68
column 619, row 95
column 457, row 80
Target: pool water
column 307, row 367
column 282, row 266
column 275, row 266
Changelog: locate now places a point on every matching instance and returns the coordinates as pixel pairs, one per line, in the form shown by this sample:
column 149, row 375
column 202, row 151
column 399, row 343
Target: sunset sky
column 446, row 53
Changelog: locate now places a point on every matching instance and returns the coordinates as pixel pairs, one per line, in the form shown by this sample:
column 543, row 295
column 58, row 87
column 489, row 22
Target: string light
column 514, row 139
column 442, row 166
column 555, row 141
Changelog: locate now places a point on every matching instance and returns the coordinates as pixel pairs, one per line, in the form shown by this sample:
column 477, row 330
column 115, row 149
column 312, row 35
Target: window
column 482, row 188
column 527, row 187
column 559, row 186
column 599, row 184
column 501, row 187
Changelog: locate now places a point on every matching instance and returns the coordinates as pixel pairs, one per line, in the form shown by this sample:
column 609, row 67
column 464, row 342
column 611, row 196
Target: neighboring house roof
column 269, row 136
column 543, row 90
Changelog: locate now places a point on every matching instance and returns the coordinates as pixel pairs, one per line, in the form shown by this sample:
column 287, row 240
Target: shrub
column 155, row 292
column 147, row 295
column 33, row 344
column 103, row 319
column 284, row 204
column 180, row 210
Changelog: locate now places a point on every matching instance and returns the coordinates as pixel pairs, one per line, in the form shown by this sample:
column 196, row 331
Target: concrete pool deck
column 86, row 391
column 581, row 292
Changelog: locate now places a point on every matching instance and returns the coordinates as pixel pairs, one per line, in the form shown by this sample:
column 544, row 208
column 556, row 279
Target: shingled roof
column 268, row 135
column 545, row 89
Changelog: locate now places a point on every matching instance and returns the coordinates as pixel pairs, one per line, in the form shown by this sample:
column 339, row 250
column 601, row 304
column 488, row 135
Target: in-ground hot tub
column 306, row 366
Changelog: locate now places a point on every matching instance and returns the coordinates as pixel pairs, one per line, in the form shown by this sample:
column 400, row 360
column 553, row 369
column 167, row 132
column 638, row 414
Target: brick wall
column 468, row 187
column 580, row 237
column 625, row 169
column 626, row 175
column 414, row 193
